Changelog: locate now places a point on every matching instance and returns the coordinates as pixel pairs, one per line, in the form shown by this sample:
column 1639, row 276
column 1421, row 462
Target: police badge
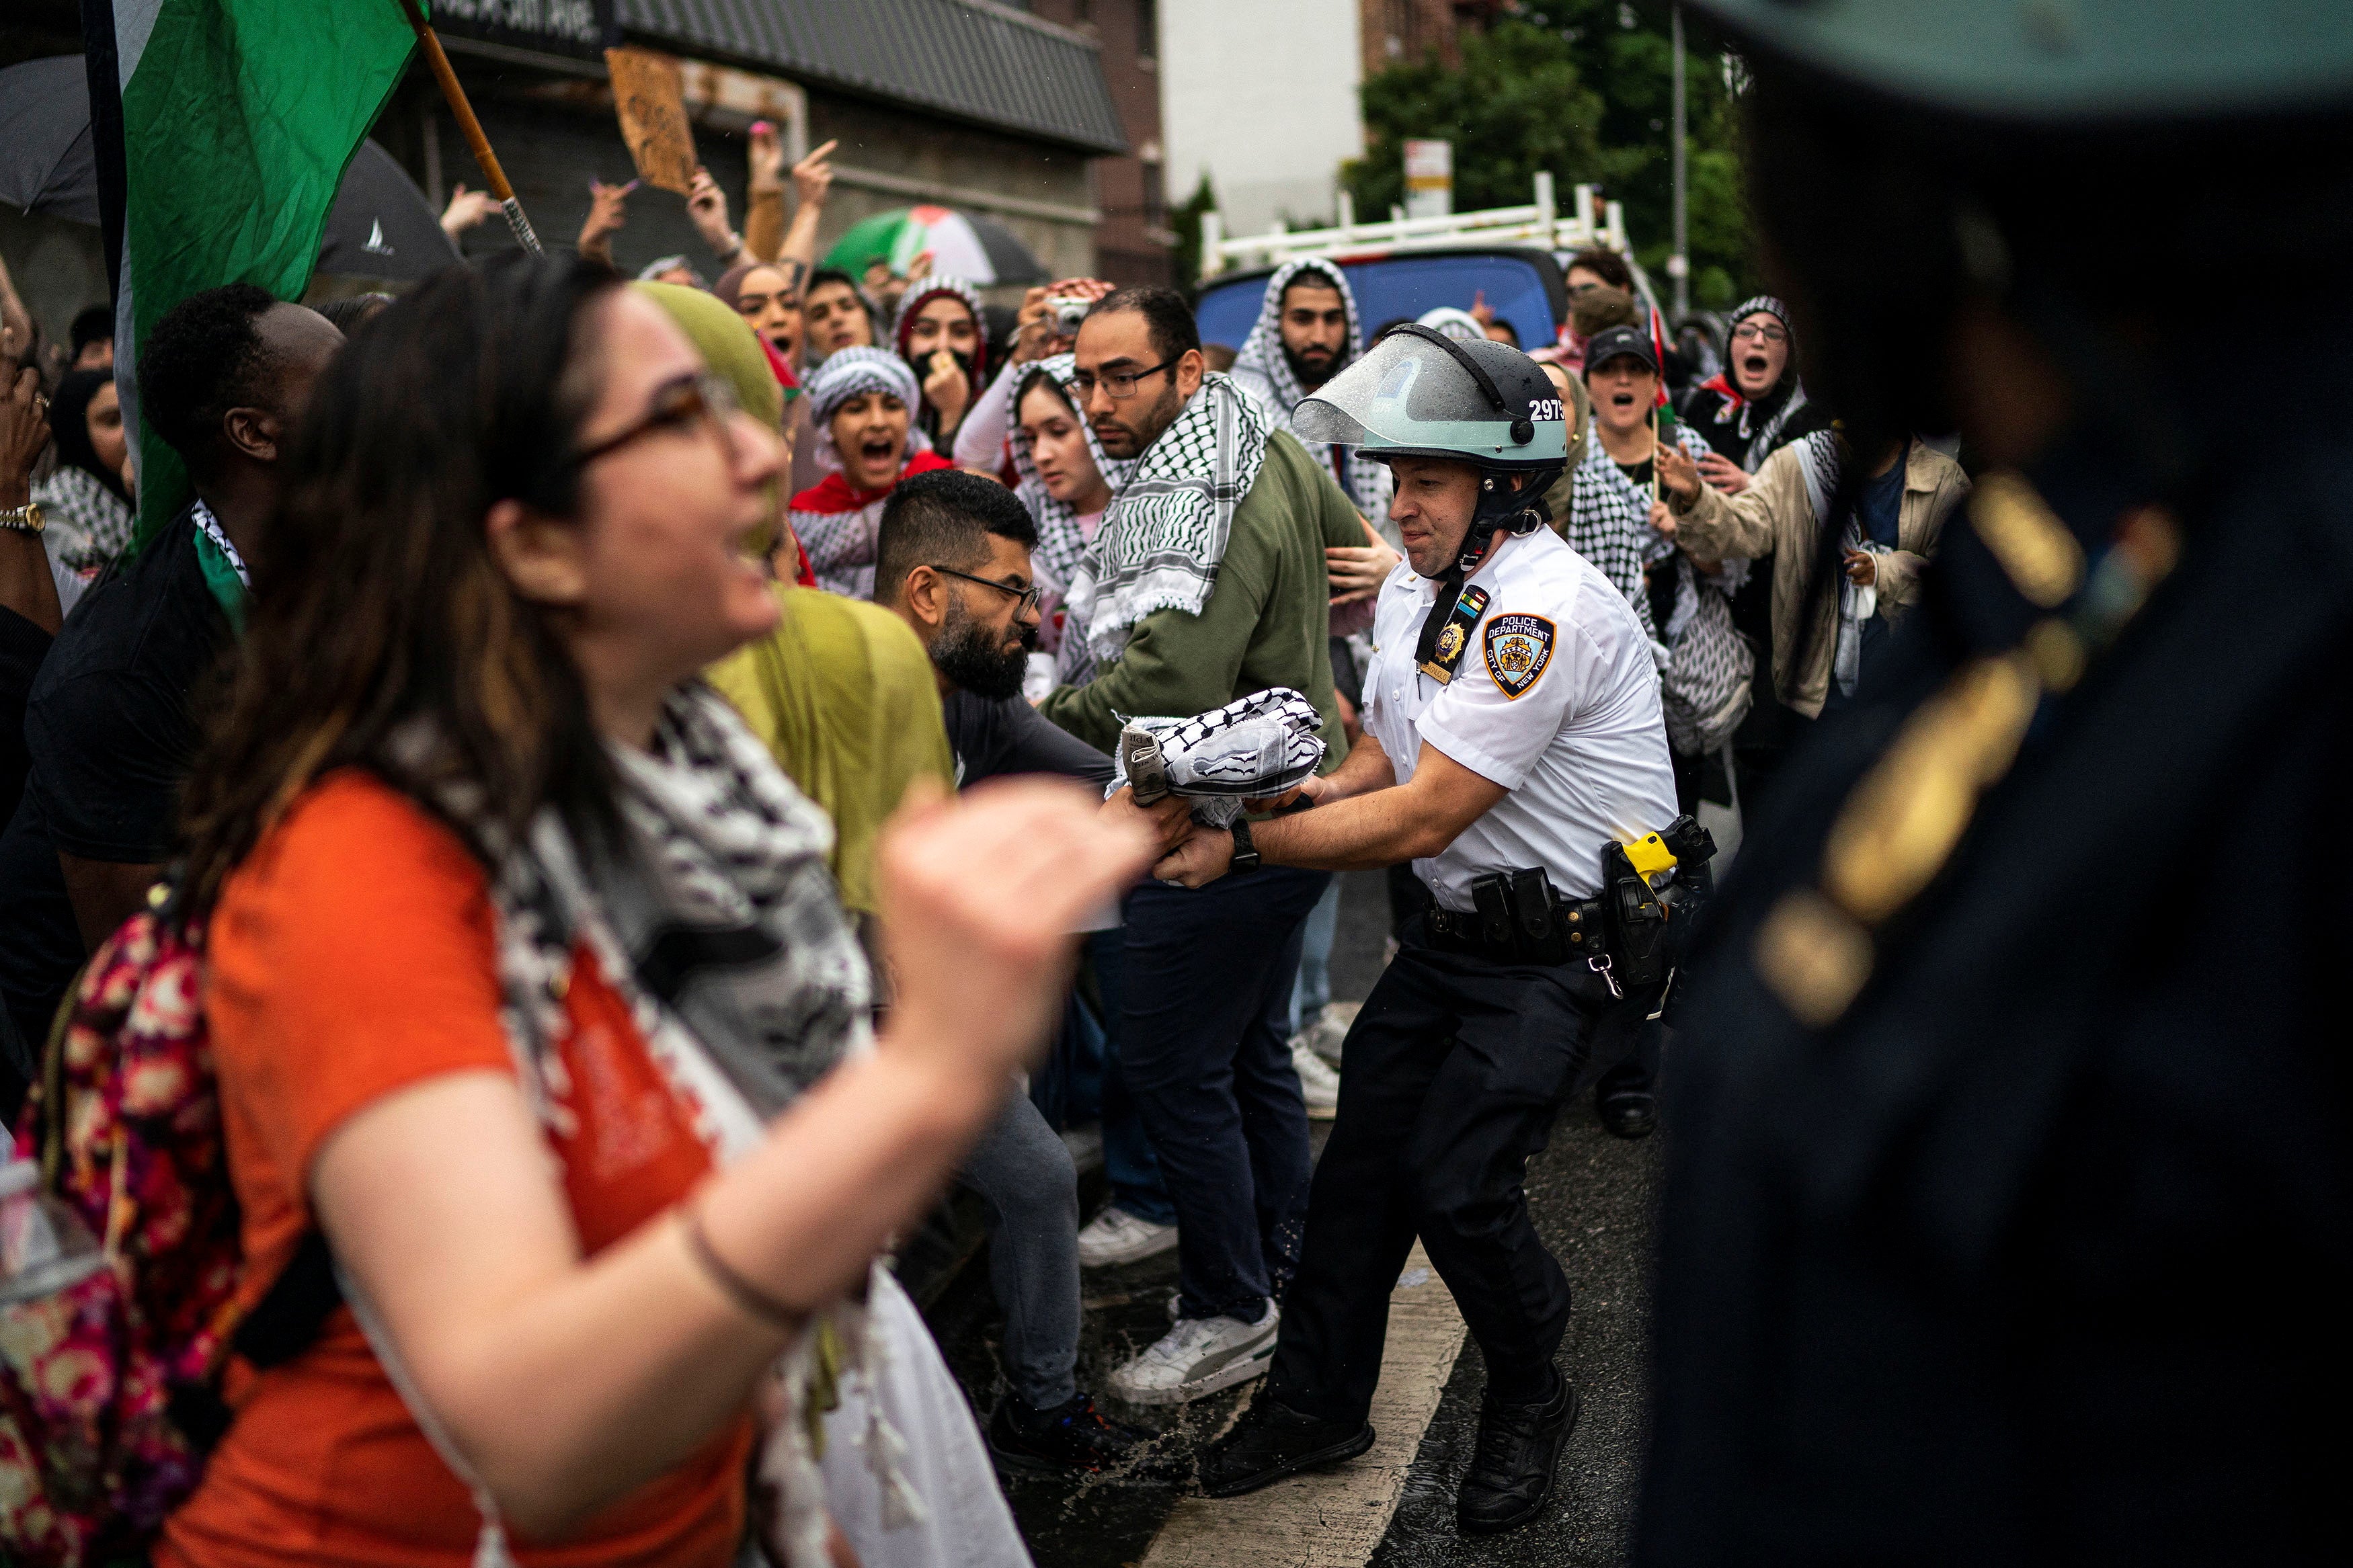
column 1442, row 650
column 1518, row 649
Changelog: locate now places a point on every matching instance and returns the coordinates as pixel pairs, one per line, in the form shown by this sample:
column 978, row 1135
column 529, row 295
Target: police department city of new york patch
column 1518, row 649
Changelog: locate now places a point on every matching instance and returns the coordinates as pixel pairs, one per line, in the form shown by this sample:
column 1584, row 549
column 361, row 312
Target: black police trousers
column 1451, row 1078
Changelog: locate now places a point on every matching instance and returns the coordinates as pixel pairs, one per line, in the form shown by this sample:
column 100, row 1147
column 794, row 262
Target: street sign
column 1429, row 179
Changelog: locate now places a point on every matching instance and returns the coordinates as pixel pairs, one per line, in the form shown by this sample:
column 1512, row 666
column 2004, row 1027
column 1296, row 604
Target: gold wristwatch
column 25, row 518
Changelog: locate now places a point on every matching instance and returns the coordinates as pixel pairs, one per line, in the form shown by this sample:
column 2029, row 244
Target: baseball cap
column 1618, row 342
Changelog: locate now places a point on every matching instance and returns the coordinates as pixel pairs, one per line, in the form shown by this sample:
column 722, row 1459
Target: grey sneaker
column 1116, row 1235
column 1196, row 1357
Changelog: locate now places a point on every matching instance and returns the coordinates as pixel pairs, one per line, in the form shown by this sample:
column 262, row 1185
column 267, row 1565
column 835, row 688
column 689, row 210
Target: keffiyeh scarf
column 853, row 373
column 1760, row 423
column 976, row 364
column 94, row 524
column 921, row 294
column 714, row 919
column 839, row 527
column 1060, row 545
column 835, row 524
column 1251, row 748
column 1262, row 370
column 1166, row 531
column 715, row 923
column 1705, row 665
column 1821, row 457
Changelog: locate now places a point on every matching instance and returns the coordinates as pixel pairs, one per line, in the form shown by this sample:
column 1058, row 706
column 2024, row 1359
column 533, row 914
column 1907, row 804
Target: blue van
column 1522, row 283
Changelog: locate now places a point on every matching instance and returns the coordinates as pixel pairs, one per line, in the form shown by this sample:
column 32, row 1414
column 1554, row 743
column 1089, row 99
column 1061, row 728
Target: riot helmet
column 1419, row 393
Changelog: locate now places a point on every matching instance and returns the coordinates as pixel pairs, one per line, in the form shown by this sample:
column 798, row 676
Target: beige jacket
column 1775, row 516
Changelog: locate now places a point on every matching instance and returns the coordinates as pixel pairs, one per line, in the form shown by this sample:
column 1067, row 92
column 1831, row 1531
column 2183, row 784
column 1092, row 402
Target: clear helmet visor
column 1408, row 396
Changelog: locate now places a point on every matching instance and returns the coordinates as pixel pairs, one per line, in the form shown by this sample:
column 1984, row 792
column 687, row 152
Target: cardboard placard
column 647, row 99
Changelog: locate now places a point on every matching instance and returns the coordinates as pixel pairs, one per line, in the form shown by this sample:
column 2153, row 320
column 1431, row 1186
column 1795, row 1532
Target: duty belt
column 1578, row 923
column 1622, row 935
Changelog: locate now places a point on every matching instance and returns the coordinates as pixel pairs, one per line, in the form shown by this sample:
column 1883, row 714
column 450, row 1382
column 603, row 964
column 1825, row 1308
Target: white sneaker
column 1116, row 1235
column 1329, row 1029
column 1196, row 1357
column 1317, row 1082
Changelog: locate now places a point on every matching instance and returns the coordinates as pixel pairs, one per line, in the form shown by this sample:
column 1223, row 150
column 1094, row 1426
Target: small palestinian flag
column 1663, row 414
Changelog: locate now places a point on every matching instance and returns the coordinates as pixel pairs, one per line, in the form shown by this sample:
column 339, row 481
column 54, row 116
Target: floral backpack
column 110, row 1396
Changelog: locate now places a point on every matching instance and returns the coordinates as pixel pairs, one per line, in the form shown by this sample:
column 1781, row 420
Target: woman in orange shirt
column 528, row 991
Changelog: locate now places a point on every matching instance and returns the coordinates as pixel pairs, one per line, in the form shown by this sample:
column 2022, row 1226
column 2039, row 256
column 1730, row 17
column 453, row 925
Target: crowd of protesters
column 622, row 660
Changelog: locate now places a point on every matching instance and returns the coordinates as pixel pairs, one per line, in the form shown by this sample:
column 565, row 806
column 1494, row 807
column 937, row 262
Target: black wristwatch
column 1245, row 852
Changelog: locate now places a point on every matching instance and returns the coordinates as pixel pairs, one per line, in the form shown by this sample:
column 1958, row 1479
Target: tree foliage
column 1583, row 88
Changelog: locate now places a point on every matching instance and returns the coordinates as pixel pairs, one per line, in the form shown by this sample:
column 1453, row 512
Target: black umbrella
column 46, row 162
column 380, row 227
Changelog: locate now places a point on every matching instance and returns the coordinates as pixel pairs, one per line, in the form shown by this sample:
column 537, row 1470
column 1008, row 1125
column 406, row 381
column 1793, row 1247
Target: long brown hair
column 377, row 600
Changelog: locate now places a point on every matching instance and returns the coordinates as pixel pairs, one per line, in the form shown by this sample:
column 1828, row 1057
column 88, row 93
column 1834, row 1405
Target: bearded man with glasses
column 1207, row 582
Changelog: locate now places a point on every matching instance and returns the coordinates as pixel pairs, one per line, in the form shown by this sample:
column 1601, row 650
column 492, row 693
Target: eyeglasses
column 1120, row 384
column 690, row 400
column 1028, row 596
column 1759, row 335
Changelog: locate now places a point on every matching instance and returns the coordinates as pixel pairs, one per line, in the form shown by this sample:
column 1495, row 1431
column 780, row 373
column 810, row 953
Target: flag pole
column 456, row 96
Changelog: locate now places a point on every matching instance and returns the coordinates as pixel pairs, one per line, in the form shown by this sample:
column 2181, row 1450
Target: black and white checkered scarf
column 1705, row 664
column 1253, row 747
column 1821, row 457
column 715, row 920
column 1061, row 546
column 1165, row 533
column 1262, row 370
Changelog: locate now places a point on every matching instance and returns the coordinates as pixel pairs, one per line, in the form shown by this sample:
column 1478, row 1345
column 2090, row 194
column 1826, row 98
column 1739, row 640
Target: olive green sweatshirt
column 1267, row 621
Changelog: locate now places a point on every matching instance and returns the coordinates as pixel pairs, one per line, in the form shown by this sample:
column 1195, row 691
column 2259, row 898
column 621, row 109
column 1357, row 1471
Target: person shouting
column 1756, row 404
column 861, row 410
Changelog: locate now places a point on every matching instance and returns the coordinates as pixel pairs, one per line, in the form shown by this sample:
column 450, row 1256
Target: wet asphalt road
column 1592, row 1196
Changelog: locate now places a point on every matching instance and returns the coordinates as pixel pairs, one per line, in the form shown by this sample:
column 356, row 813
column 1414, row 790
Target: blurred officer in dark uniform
column 2009, row 1215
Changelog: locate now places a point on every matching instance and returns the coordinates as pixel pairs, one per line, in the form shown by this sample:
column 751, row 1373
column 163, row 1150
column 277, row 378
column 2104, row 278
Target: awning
column 993, row 68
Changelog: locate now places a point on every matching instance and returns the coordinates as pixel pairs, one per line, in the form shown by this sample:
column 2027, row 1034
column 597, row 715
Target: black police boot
column 1626, row 1103
column 1270, row 1441
column 1512, row 1473
column 1073, row 1436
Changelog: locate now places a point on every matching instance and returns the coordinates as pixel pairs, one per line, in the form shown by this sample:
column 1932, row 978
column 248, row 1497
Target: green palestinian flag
column 222, row 128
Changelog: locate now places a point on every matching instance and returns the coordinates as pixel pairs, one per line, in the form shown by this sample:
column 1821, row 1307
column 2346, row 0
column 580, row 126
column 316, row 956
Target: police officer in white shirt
column 1512, row 735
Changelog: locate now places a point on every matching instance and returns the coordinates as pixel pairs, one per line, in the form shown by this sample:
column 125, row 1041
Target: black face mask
column 973, row 660
column 922, row 365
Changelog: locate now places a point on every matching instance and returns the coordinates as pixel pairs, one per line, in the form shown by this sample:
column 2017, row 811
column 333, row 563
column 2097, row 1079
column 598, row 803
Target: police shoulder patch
column 1518, row 649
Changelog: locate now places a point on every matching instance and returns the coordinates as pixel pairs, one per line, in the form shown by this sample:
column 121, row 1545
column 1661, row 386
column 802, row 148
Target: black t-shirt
column 110, row 737
column 994, row 737
column 23, row 646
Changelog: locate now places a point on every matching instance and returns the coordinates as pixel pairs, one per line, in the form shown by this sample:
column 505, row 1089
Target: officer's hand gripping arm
column 1383, row 826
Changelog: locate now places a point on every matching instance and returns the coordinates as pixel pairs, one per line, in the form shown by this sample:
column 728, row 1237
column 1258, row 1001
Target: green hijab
column 729, row 347
column 840, row 692
column 732, row 350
